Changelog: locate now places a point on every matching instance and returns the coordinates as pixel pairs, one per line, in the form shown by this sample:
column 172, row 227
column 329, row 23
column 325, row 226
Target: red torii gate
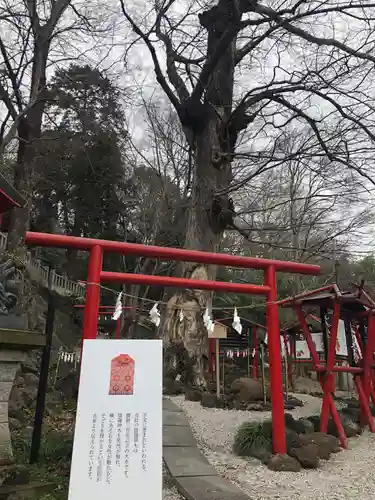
column 107, row 311
column 96, row 275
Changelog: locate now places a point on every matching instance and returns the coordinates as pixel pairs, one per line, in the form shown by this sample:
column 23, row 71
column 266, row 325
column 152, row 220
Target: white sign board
column 341, row 347
column 317, row 338
column 117, row 451
column 302, row 350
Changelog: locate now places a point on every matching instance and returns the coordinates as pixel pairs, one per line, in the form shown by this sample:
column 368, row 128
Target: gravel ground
column 348, row 474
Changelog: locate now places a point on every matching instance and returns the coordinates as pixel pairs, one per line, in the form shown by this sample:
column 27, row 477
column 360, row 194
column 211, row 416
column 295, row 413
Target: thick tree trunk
column 29, row 130
column 186, row 341
column 19, row 219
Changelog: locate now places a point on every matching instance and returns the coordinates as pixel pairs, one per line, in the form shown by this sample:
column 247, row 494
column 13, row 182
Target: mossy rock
column 193, row 395
column 211, row 401
column 307, row 455
column 283, row 463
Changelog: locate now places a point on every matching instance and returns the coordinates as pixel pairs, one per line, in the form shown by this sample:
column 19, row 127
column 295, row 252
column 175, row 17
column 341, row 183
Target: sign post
column 117, row 449
column 220, row 332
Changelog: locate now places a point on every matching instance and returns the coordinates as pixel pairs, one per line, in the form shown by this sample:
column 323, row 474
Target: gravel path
column 348, row 474
column 171, row 493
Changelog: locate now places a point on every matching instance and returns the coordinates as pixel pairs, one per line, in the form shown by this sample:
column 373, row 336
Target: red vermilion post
column 118, row 328
column 307, row 335
column 90, row 321
column 274, row 356
column 328, row 377
column 368, row 357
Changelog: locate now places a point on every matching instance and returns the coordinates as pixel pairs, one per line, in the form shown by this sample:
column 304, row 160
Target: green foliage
column 80, row 174
column 54, row 463
column 252, row 436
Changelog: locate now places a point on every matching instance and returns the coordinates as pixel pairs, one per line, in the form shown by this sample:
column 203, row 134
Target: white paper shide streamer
column 68, row 357
column 236, row 322
column 155, row 315
column 118, row 307
column 208, row 323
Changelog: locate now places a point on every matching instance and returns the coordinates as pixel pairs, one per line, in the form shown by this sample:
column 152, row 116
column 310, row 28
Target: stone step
column 31, row 490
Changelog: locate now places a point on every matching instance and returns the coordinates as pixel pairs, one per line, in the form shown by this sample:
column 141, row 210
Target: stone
column 186, row 461
column 15, row 424
column 353, row 404
column 292, row 424
column 307, row 425
column 16, row 474
column 255, row 407
column 326, row 444
column 3, row 412
column 172, row 387
column 283, row 463
column 230, row 405
column 8, row 371
column 247, row 390
column 175, row 418
column 289, row 406
column 68, row 385
column 15, row 402
column 29, row 395
column 307, row 455
column 353, row 414
column 300, row 426
column 293, row 440
column 351, row 421
column 32, row 490
column 294, row 402
column 169, row 405
column 6, row 452
column 211, row 386
column 209, row 400
column 6, row 390
column 176, row 435
column 239, row 405
column 30, row 379
column 31, row 365
column 315, row 420
column 351, row 429
column 193, row 395
column 209, row 488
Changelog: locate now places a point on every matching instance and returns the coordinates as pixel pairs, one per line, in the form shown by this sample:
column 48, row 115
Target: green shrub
column 251, row 437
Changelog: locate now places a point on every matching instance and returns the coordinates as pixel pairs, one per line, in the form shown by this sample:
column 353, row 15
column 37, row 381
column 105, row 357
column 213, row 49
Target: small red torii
column 357, row 309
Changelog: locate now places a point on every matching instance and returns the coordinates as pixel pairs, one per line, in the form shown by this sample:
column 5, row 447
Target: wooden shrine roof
column 354, row 301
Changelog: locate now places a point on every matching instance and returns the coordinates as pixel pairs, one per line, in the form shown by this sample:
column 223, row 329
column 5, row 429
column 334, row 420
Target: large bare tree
column 237, row 72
